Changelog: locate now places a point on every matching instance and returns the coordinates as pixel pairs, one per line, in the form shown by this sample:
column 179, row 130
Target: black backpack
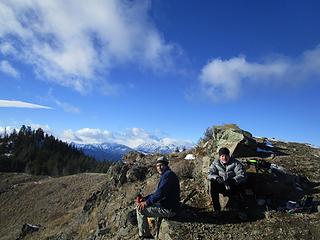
column 132, row 217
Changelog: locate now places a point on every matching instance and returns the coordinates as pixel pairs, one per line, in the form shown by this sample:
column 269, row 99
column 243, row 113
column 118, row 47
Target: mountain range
column 115, row 151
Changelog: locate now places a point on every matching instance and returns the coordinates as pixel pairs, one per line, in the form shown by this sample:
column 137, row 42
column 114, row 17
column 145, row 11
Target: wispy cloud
column 6, row 48
column 75, row 43
column 87, row 135
column 6, row 67
column 67, row 107
column 132, row 137
column 20, row 104
column 223, row 79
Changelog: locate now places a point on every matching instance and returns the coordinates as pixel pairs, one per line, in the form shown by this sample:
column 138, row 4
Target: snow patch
column 190, row 157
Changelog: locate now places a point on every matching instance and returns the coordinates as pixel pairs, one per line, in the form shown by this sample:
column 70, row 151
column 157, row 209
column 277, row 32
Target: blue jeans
column 152, row 211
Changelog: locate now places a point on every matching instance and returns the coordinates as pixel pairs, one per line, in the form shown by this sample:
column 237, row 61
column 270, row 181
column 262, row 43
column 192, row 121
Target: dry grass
column 183, row 168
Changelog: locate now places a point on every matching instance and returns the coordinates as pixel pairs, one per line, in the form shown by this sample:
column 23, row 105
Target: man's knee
column 140, row 212
column 216, row 188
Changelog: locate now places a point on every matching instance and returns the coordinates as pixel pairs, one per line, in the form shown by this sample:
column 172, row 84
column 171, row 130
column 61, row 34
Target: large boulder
column 239, row 142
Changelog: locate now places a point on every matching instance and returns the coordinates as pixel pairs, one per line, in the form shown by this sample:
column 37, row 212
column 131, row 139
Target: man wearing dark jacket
column 164, row 202
column 227, row 176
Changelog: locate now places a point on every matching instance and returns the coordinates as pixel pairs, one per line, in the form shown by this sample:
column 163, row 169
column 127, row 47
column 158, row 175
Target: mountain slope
column 105, row 151
column 57, row 204
column 161, row 148
column 115, row 151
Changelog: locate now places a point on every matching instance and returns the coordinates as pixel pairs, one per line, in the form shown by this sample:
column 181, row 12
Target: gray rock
column 239, row 142
column 136, row 173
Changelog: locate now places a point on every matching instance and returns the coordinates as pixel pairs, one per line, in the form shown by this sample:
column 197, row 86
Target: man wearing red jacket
column 164, row 202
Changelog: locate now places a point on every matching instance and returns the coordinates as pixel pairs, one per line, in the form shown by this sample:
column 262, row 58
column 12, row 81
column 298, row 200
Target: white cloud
column 223, row 79
column 20, row 104
column 6, row 48
column 131, row 137
column 45, row 128
column 67, row 107
column 6, row 67
column 86, row 135
column 74, row 43
column 134, row 137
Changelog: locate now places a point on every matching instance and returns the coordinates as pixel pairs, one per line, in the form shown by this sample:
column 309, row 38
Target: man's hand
column 142, row 205
column 219, row 180
column 139, row 199
column 223, row 175
column 230, row 182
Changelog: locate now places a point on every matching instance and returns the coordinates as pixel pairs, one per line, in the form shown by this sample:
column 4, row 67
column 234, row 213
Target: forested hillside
column 35, row 152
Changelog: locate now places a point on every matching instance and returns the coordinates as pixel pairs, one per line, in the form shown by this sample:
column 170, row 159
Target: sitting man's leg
column 215, row 189
column 236, row 197
column 153, row 211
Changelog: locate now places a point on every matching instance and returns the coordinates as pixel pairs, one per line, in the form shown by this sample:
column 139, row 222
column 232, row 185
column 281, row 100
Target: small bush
column 184, row 169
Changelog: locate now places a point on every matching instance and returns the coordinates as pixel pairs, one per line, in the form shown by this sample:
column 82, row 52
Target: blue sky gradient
column 160, row 71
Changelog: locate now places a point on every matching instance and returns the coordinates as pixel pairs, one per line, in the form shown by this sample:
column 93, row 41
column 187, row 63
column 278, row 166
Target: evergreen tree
column 38, row 153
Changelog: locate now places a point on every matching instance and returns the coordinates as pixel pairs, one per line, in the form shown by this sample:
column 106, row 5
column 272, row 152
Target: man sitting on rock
column 164, row 202
column 226, row 176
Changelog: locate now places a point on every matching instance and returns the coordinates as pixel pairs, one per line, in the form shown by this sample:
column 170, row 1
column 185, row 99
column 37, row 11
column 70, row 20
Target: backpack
column 132, row 217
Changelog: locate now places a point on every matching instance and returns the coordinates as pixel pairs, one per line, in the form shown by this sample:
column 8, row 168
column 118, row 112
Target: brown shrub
column 183, row 168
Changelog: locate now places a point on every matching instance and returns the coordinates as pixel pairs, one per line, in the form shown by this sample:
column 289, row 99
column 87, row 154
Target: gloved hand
column 139, row 199
column 224, row 175
column 219, row 180
column 230, row 182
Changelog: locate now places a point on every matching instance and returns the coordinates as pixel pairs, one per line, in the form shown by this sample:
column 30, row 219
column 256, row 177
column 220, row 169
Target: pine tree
column 38, row 153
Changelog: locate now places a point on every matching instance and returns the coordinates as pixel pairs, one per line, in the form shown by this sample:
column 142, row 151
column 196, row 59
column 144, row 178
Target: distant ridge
column 104, row 151
column 115, row 151
column 161, row 148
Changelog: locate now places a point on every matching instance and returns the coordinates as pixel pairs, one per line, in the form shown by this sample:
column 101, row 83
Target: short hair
column 224, row 151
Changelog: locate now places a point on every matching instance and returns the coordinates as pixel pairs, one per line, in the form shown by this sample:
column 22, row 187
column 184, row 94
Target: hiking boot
column 216, row 213
column 243, row 216
column 146, row 237
column 227, row 209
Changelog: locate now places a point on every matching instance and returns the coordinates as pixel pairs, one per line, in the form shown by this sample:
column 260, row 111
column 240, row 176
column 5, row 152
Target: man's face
column 224, row 158
column 161, row 168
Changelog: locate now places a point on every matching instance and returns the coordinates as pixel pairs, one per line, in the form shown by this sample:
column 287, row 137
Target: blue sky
column 160, row 71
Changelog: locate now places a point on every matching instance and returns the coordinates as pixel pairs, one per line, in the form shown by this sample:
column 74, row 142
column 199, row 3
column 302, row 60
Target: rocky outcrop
column 239, row 142
column 133, row 157
column 136, row 173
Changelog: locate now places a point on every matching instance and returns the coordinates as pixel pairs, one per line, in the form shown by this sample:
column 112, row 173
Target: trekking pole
column 190, row 195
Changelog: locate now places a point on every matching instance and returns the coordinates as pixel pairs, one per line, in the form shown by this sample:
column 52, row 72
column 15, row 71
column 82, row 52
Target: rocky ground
column 52, row 203
column 300, row 161
column 96, row 206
